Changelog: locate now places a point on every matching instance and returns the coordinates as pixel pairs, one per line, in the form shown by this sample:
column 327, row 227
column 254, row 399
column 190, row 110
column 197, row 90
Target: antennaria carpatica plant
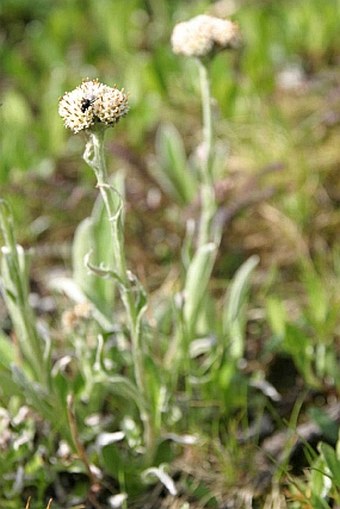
column 204, row 343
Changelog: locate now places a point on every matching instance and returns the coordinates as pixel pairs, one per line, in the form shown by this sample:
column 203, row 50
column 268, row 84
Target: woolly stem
column 208, row 202
column 129, row 290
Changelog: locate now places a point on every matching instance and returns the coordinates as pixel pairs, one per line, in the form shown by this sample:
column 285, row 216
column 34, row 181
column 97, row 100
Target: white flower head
column 203, row 34
column 92, row 103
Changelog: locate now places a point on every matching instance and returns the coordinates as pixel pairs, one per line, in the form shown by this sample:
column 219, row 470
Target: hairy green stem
column 94, row 156
column 185, row 333
column 208, row 202
column 207, row 176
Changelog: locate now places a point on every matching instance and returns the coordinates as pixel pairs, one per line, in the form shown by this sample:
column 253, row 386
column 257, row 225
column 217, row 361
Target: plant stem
column 94, row 156
column 207, row 122
column 76, row 440
column 208, row 202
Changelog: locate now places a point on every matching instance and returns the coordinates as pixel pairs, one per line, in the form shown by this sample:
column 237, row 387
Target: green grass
column 238, row 331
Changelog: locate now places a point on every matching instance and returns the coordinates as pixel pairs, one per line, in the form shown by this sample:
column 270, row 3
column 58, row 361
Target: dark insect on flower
column 86, row 103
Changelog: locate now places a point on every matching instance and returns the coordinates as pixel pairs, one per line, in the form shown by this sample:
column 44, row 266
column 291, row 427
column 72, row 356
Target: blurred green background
column 277, row 98
column 277, row 104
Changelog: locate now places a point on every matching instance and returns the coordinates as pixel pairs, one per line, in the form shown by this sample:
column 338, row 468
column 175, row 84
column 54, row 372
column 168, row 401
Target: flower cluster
column 203, row 34
column 92, row 103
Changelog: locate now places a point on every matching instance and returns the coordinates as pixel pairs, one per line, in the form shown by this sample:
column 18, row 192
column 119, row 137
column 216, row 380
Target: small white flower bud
column 92, row 103
column 203, row 34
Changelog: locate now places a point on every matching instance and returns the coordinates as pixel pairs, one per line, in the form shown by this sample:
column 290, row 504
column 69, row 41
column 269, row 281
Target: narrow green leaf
column 332, row 461
column 276, row 314
column 234, row 318
column 35, row 394
column 7, row 352
column 8, row 387
column 93, row 235
column 175, row 177
column 122, row 386
column 197, row 280
column 239, row 287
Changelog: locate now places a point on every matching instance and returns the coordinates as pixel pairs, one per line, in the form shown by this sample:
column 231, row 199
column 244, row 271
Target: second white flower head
column 201, row 35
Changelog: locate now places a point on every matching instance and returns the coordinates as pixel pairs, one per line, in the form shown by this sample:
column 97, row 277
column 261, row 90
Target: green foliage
column 171, row 368
column 15, row 274
column 92, row 240
column 322, row 490
column 174, row 176
column 234, row 317
column 196, row 282
column 309, row 339
column 139, row 57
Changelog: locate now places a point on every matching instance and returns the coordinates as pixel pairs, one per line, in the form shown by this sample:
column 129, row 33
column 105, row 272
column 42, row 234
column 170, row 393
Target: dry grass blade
column 49, row 505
